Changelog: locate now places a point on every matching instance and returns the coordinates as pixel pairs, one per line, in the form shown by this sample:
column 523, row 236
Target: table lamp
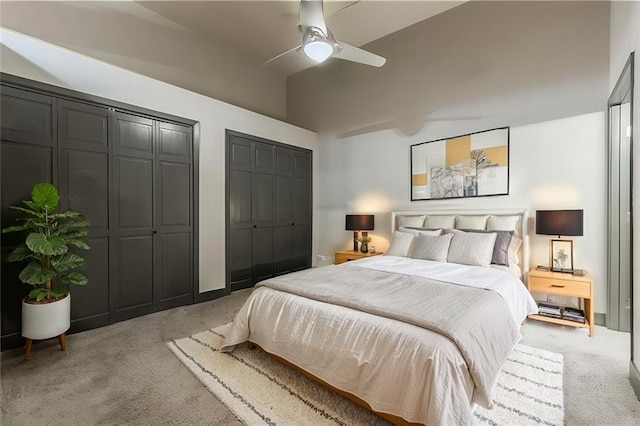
column 568, row 223
column 358, row 222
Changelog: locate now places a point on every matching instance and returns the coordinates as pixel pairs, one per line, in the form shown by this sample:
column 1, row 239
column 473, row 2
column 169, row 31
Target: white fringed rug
column 261, row 391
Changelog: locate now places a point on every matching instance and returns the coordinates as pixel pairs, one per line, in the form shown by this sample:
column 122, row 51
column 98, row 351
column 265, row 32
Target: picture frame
column 561, row 255
column 471, row 165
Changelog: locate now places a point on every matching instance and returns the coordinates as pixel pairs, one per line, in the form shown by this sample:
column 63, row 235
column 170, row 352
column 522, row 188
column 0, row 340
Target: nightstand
column 347, row 255
column 563, row 284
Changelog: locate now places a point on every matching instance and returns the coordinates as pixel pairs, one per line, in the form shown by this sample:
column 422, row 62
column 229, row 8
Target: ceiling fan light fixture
column 316, row 45
column 318, row 50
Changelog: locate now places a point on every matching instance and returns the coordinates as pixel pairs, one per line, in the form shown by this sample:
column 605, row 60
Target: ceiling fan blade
column 311, row 15
column 355, row 54
column 288, row 52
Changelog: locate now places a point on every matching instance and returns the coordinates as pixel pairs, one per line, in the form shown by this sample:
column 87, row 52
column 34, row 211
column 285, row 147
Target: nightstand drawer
column 341, row 258
column 561, row 287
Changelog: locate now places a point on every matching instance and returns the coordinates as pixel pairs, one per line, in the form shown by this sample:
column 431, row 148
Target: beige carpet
column 260, row 390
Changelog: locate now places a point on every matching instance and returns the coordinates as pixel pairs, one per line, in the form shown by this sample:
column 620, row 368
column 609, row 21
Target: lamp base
column 355, row 240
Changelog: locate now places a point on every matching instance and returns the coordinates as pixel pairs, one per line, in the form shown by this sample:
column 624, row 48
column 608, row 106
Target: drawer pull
column 557, row 285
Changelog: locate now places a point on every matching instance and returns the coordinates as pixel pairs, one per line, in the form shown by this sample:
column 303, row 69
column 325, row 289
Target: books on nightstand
column 571, row 314
column 551, row 311
column 561, row 312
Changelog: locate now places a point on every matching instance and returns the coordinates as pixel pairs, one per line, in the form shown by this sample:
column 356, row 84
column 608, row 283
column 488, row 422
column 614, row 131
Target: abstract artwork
column 472, row 165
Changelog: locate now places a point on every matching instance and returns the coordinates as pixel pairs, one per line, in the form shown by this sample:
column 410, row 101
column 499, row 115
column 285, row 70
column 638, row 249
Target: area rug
column 259, row 390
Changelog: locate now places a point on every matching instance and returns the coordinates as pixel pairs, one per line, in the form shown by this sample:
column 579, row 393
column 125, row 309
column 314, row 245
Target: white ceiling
column 261, row 30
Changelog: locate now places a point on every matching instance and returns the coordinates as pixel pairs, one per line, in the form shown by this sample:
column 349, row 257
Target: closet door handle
column 255, row 226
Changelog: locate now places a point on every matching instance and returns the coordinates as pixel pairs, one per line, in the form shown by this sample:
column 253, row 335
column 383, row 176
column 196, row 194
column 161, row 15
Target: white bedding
column 397, row 367
column 512, row 290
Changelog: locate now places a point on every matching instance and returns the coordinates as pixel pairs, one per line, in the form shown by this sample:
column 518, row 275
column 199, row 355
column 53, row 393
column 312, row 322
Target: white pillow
column 430, row 247
column 471, row 248
column 512, row 252
column 471, row 222
column 504, row 223
column 439, row 222
column 421, row 231
column 405, row 221
column 400, row 244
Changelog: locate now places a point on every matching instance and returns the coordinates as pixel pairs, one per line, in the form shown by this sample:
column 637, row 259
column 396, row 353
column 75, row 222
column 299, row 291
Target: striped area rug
column 261, row 391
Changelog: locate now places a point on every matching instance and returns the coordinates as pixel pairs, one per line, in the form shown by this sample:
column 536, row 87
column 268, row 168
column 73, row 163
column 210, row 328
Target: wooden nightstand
column 347, row 255
column 562, row 284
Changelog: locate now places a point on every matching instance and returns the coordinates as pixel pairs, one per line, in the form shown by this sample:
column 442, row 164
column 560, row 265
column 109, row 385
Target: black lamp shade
column 359, row 222
column 560, row 222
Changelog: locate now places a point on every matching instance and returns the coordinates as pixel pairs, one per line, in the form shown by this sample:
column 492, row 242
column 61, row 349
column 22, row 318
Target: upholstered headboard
column 461, row 219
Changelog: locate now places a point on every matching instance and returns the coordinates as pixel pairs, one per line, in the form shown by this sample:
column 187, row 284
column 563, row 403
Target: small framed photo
column 561, row 255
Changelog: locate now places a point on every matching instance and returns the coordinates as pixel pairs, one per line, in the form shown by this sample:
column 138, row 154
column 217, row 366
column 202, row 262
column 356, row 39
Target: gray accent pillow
column 400, row 244
column 429, row 247
column 501, row 246
column 471, row 248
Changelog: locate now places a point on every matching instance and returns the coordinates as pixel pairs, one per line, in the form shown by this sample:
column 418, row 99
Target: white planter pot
column 46, row 320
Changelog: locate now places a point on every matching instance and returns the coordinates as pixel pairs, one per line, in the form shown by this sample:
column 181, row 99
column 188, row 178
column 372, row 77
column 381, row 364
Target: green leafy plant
column 46, row 248
column 365, row 240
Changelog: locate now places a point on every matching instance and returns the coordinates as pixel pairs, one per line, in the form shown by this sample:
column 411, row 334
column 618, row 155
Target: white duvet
column 338, row 331
column 512, row 290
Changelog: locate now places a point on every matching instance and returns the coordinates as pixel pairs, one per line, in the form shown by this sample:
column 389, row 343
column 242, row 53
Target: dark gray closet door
column 263, row 212
column 83, row 137
column 174, row 278
column 131, row 246
column 28, row 156
column 301, row 212
column 240, row 251
column 283, row 210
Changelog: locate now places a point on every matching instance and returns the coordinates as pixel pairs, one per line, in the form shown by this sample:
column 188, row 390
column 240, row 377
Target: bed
column 414, row 339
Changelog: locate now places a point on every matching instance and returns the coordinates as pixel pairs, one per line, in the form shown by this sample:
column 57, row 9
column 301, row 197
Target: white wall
column 34, row 59
column 625, row 38
column 557, row 164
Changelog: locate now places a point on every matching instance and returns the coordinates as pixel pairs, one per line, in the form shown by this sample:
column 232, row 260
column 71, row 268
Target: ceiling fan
column 319, row 44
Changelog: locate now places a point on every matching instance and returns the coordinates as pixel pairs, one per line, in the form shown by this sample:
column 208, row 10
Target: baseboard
column 209, row 295
column 634, row 377
column 600, row 319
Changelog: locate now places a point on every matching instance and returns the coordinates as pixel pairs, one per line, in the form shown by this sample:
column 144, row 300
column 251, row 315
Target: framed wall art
column 561, row 254
column 472, row 165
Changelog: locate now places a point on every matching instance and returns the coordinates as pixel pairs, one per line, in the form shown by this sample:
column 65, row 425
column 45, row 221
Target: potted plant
column 46, row 311
column 364, row 243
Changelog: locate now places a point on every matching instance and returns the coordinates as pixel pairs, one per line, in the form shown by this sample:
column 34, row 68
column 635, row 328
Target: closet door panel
column 174, row 278
column 284, row 161
column 240, row 259
column 240, row 202
column 282, row 249
column 283, row 200
column 134, row 135
column 175, row 194
column 301, row 211
column 241, row 154
column 174, row 142
column 300, row 247
column 174, row 286
column 264, row 158
column 302, row 165
column 26, row 117
column 90, row 303
column 131, row 284
column 83, row 127
column 262, row 259
column 134, row 199
column 84, row 186
column 22, row 167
